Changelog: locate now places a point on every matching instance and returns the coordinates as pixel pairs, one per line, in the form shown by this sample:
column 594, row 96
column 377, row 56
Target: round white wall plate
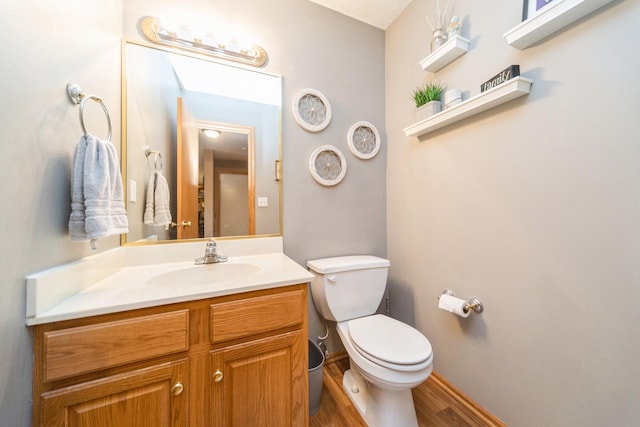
column 364, row 140
column 327, row 165
column 311, row 109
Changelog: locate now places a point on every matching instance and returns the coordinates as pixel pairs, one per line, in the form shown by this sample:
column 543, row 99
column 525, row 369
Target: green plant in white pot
column 427, row 99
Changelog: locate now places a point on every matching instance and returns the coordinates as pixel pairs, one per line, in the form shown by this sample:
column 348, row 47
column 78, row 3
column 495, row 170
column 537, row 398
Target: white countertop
column 110, row 283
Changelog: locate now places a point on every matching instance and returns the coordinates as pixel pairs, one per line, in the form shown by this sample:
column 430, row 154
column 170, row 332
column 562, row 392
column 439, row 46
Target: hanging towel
column 76, row 219
column 157, row 210
column 97, row 196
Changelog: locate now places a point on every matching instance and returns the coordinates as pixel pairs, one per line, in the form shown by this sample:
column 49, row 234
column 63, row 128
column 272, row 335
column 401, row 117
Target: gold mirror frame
column 124, row 141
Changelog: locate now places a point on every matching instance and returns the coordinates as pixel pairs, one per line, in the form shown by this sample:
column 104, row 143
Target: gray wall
column 46, row 45
column 534, row 207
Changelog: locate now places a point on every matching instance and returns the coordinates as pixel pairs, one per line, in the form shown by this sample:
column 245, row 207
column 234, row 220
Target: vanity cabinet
column 232, row 360
column 151, row 396
column 256, row 383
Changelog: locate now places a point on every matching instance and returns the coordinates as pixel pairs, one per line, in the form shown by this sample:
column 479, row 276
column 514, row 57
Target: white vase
column 439, row 39
column 428, row 110
column 452, row 97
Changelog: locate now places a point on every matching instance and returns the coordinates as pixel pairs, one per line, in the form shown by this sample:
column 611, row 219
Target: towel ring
column 75, row 94
column 157, row 156
column 104, row 108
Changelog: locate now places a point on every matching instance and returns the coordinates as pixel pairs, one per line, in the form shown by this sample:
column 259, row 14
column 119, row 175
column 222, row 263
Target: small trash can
column 316, row 363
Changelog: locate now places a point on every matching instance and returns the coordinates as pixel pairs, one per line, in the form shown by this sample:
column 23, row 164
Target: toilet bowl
column 387, row 357
column 386, row 351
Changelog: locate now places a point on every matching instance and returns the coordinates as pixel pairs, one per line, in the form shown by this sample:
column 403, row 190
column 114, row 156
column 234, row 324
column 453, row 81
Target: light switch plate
column 263, row 202
column 132, row 191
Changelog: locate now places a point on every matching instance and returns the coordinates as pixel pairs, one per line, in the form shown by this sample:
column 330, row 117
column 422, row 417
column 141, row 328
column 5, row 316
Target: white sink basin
column 205, row 274
column 141, row 276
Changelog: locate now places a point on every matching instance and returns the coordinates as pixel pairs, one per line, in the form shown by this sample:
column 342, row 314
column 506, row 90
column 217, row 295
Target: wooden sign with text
column 504, row 75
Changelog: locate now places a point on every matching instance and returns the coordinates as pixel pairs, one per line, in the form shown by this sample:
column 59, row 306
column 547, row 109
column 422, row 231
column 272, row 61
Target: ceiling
column 228, row 146
column 379, row 13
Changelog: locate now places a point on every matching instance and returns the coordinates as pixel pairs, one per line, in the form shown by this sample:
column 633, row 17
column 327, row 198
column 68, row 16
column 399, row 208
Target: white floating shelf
column 505, row 92
column 445, row 54
column 556, row 15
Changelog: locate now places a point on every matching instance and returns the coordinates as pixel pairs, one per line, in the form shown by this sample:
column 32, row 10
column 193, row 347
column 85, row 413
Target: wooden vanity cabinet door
column 150, row 397
column 260, row 383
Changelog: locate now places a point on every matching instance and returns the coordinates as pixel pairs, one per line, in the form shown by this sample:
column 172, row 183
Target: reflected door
column 187, row 180
column 234, row 210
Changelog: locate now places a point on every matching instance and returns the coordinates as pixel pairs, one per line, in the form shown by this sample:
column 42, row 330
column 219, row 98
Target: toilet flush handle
column 331, row 278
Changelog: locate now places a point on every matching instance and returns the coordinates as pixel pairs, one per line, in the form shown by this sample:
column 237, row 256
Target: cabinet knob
column 177, row 389
column 217, row 376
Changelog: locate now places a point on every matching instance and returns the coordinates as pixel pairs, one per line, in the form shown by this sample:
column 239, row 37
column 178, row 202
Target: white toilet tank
column 348, row 287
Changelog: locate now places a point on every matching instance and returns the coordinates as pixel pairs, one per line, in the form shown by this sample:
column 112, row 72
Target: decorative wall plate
column 311, row 109
column 363, row 140
column 327, row 165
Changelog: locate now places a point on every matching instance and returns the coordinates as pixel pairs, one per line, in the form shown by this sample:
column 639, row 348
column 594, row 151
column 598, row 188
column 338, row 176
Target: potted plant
column 427, row 99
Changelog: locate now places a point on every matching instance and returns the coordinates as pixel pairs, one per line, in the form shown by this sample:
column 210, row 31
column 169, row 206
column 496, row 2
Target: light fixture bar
column 229, row 50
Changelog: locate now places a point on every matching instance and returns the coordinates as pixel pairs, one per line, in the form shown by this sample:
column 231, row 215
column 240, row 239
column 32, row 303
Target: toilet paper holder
column 472, row 303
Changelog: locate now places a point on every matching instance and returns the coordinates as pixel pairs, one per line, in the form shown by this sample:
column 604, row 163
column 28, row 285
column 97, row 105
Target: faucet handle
column 211, row 254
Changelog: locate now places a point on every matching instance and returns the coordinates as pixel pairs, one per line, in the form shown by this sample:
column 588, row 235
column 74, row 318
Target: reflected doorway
column 216, row 178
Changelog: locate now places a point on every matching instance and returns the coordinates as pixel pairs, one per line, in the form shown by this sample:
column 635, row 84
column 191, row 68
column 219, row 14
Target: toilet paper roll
column 453, row 305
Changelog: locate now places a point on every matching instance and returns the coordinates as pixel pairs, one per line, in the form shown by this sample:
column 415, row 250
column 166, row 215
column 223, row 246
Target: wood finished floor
column 435, row 407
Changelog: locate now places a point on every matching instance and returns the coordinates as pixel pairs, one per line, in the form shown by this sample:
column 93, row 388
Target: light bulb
column 212, row 133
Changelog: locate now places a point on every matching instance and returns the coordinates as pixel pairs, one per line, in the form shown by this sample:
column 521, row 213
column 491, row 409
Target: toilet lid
column 383, row 338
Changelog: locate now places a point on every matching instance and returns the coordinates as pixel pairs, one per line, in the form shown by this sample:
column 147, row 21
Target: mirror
column 222, row 186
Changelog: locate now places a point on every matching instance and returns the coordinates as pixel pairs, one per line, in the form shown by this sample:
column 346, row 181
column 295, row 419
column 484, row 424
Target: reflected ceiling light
column 207, row 43
column 212, row 133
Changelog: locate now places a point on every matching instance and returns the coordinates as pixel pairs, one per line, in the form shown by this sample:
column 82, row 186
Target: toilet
column 387, row 357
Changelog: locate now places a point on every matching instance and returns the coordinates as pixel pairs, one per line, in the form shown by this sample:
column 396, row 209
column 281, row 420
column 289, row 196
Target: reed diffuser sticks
column 441, row 16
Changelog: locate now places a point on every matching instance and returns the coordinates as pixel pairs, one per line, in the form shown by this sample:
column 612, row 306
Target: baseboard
column 449, row 389
column 456, row 394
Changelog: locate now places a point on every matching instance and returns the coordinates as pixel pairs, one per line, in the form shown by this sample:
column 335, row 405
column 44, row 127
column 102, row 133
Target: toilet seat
column 390, row 343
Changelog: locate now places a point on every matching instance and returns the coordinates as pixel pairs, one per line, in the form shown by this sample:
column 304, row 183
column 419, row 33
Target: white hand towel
column 161, row 201
column 102, row 192
column 76, row 219
column 157, row 210
column 149, row 207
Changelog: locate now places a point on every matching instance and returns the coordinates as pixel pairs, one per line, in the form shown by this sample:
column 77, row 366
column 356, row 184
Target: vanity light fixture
column 207, row 43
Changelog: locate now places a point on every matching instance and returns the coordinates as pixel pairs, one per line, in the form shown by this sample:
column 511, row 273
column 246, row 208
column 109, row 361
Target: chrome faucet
column 211, row 256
